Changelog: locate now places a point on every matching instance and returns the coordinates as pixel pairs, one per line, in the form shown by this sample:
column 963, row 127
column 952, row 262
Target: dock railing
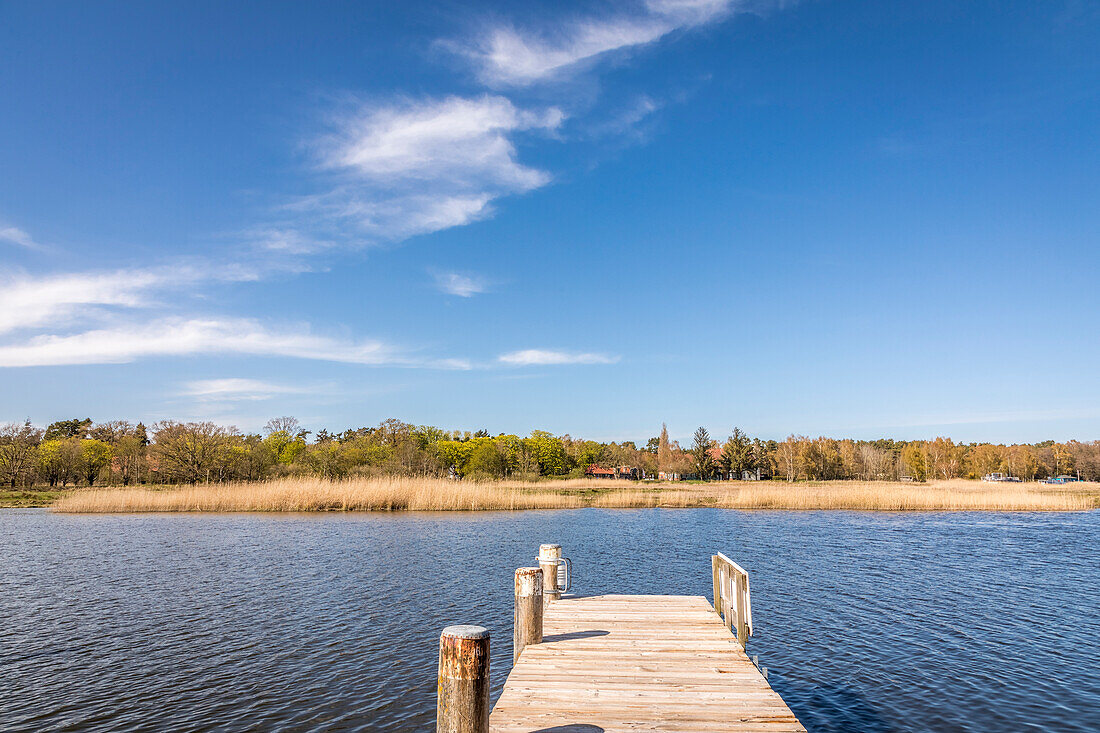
column 731, row 596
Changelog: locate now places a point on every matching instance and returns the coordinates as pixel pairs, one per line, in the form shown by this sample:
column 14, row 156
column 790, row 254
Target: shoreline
column 430, row 494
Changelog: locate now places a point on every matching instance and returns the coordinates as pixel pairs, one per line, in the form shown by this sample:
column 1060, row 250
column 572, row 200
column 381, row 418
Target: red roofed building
column 595, row 471
column 624, row 472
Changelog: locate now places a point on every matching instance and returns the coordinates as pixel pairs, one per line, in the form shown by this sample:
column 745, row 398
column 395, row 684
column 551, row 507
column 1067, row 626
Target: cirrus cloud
column 14, row 235
column 546, row 357
column 464, row 286
column 204, row 336
column 508, row 57
column 236, row 388
column 420, row 166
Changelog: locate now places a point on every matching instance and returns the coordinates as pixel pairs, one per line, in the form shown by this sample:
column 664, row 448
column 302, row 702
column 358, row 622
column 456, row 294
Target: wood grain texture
column 527, row 617
column 635, row 663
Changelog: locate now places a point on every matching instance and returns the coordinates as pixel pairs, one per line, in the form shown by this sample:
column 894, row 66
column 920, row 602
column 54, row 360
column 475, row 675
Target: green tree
column 283, row 446
column 486, row 459
column 549, row 453
column 50, row 466
column 74, row 428
column 701, row 459
column 737, row 453
column 94, row 457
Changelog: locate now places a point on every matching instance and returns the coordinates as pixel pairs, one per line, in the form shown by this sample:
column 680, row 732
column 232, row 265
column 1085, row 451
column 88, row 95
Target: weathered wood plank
column 633, row 663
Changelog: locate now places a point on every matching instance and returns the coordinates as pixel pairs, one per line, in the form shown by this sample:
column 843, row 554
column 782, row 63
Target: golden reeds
column 431, row 494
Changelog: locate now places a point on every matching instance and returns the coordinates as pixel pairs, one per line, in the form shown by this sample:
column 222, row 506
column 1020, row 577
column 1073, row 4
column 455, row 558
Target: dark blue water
column 867, row 622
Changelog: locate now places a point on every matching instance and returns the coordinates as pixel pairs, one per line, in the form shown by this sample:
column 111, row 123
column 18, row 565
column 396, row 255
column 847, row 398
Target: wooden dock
column 631, row 663
column 619, row 663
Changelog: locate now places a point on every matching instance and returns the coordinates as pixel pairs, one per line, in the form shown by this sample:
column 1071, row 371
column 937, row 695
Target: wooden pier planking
column 617, row 663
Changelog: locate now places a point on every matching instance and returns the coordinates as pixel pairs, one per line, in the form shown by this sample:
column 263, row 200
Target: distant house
column 715, row 453
column 623, row 472
column 595, row 471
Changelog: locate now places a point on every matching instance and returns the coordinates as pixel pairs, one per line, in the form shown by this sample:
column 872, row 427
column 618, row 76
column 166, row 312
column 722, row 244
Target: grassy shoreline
column 28, row 498
column 429, row 494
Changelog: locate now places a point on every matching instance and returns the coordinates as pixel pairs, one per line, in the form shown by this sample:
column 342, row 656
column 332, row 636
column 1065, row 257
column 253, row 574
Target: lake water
column 867, row 622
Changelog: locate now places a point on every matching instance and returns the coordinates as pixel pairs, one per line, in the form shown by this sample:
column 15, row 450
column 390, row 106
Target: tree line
column 80, row 452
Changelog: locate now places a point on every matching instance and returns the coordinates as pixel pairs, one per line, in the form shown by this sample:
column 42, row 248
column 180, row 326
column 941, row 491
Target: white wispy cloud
column 239, row 389
column 626, row 123
column 14, row 235
column 203, row 336
column 418, row 166
column 55, row 300
column 544, row 357
column 62, row 300
column 286, row 240
column 461, row 140
column 507, row 56
column 464, row 286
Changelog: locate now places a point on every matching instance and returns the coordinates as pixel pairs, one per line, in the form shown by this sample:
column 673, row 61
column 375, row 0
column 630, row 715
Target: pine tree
column 700, row 454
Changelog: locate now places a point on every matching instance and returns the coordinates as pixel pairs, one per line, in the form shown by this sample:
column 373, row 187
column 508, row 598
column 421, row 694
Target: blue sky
column 843, row 218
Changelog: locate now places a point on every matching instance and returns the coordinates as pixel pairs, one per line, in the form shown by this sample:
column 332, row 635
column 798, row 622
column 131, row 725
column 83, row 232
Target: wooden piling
column 549, row 557
column 462, row 691
column 527, row 627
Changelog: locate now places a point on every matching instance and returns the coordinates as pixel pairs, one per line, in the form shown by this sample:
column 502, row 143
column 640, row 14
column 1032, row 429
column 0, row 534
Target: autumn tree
column 18, row 446
column 129, row 458
column 70, row 456
column 190, row 452
column 943, row 458
column 912, row 457
column 285, row 424
column 1021, row 461
column 1064, row 460
column 664, row 450
column 112, row 431
column 985, row 459
column 787, row 455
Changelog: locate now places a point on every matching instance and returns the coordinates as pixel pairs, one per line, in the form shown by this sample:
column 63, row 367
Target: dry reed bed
column 429, row 494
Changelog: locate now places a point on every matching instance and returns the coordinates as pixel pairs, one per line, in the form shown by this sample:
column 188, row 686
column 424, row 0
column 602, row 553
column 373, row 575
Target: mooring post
column 462, row 691
column 528, row 614
column 549, row 557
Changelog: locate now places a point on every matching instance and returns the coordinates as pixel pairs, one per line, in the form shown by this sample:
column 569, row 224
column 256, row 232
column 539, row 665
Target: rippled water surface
column 868, row 622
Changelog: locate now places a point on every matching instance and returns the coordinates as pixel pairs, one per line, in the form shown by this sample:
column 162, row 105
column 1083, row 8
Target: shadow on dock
column 574, row 635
